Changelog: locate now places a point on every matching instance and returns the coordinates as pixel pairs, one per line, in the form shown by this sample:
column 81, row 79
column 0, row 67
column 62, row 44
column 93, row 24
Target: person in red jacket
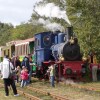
column 24, row 76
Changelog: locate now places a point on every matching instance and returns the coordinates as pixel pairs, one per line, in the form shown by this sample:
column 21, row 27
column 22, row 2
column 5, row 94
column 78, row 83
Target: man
column 6, row 69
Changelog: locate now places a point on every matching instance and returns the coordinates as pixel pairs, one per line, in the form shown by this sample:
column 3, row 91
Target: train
column 19, row 48
column 60, row 49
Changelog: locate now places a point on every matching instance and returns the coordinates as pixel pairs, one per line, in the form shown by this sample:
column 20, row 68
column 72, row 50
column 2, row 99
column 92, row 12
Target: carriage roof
column 20, row 42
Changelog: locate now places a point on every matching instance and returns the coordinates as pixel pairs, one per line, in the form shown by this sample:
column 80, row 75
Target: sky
column 16, row 11
column 19, row 11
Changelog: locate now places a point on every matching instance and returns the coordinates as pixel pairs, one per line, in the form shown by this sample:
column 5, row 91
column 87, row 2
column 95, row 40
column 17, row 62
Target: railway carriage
column 24, row 47
column 8, row 50
column 19, row 48
column 1, row 55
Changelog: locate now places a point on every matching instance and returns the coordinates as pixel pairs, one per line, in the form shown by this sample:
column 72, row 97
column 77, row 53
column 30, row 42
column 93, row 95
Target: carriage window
column 56, row 40
column 37, row 42
column 46, row 40
column 8, row 53
column 4, row 52
column 65, row 38
column 21, row 50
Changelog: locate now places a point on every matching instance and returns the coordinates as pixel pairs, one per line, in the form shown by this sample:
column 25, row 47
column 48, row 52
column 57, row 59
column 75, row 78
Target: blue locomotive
column 50, row 46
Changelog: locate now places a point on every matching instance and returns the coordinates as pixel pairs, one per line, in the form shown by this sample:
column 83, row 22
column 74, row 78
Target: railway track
column 89, row 87
column 41, row 91
column 31, row 97
column 28, row 96
column 56, row 97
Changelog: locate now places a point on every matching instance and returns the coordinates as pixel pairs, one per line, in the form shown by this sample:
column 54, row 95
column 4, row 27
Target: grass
column 40, row 95
column 72, row 93
column 10, row 97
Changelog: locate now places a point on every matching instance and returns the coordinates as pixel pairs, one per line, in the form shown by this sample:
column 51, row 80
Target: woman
column 7, row 68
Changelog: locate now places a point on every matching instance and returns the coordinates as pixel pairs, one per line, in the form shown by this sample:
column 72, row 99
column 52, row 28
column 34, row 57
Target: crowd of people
column 13, row 70
column 92, row 67
column 22, row 72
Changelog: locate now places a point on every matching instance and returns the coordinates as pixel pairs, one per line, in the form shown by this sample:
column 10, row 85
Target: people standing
column 17, row 62
column 24, row 76
column 18, row 72
column 26, row 63
column 13, row 59
column 31, row 65
column 34, row 65
column 94, row 67
column 52, row 75
column 7, row 68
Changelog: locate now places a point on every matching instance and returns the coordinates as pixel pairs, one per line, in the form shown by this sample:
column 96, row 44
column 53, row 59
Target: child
column 24, row 76
column 51, row 70
column 18, row 72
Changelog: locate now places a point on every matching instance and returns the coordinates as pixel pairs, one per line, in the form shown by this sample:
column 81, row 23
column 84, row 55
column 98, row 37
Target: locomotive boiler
column 50, row 46
column 67, row 46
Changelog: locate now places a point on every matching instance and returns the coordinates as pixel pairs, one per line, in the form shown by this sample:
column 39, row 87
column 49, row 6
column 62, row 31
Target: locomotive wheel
column 71, row 52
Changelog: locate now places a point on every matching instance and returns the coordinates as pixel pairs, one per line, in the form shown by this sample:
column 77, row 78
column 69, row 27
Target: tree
column 85, row 18
column 25, row 31
column 88, row 23
column 5, row 32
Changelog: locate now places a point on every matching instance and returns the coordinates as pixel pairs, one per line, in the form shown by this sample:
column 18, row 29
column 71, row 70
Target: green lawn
column 11, row 95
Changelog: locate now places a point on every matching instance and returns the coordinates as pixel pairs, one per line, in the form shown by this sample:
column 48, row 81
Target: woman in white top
column 6, row 69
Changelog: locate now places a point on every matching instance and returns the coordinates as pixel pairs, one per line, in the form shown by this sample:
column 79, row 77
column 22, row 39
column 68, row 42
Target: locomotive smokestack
column 69, row 32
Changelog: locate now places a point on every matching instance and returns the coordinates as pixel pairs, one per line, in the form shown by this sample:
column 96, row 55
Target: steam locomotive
column 51, row 46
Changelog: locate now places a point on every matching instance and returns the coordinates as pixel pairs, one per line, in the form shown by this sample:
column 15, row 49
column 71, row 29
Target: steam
column 54, row 27
column 51, row 10
column 51, row 26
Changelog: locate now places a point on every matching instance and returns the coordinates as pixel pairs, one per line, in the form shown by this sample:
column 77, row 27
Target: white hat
column 23, row 67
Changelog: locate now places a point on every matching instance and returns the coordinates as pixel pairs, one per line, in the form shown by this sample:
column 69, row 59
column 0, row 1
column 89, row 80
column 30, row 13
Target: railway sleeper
column 47, row 93
column 38, row 91
column 30, row 97
column 58, row 97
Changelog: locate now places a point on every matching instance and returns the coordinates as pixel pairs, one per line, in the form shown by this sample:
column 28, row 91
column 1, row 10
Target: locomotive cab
column 43, row 42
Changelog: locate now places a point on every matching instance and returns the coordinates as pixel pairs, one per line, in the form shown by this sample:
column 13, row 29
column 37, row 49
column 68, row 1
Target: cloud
column 16, row 11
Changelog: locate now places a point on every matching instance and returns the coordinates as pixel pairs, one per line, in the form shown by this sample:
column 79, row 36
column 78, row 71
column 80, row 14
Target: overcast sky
column 16, row 11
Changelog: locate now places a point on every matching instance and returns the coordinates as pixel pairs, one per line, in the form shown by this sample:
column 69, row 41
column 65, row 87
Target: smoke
column 54, row 27
column 63, row 1
column 50, row 26
column 51, row 10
